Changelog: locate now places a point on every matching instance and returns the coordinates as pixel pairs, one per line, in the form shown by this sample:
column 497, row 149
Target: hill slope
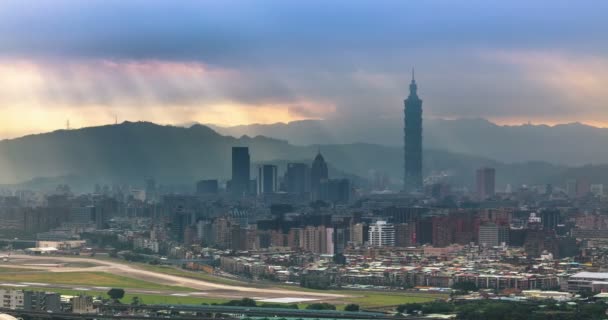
column 129, row 152
column 567, row 144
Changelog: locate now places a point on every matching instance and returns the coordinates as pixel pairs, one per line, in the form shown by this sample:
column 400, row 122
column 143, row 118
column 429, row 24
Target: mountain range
column 572, row 144
column 131, row 151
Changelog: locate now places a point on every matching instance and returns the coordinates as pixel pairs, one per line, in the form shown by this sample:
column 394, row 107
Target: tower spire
column 413, row 77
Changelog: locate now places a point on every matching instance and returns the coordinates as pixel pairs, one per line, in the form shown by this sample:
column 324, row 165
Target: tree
column 116, row 294
column 321, row 306
column 245, row 302
column 409, row 308
column 351, row 307
column 136, row 301
column 438, row 307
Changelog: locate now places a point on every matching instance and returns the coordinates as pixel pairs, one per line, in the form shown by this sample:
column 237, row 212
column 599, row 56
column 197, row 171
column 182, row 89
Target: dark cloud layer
column 492, row 59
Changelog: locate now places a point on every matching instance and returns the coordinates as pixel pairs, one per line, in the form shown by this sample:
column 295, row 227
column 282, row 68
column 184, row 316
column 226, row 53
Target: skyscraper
column 412, row 179
column 267, row 179
column 485, row 183
column 381, row 234
column 318, row 174
column 240, row 171
column 297, row 178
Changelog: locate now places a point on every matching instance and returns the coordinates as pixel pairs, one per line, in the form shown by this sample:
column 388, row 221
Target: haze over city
column 291, row 160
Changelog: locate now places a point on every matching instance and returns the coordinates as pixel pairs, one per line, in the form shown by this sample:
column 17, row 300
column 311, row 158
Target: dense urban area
column 541, row 248
column 295, row 242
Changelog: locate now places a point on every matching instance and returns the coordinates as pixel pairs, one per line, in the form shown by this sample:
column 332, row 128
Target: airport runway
column 206, row 288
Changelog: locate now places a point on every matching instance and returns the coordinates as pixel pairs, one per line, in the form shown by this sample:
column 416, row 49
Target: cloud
column 280, row 60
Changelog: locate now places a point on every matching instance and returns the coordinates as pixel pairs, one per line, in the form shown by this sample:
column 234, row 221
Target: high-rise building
column 412, row 179
column 550, row 218
column 318, row 174
column 297, row 178
column 488, row 235
column 486, row 182
column 318, row 240
column 405, row 234
column 206, row 187
column 357, row 234
column 240, row 171
column 267, row 179
column 335, row 190
column 382, row 234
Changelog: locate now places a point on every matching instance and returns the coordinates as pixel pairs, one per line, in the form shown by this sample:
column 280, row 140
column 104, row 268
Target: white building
column 12, row 299
column 588, row 281
column 382, row 234
column 597, row 189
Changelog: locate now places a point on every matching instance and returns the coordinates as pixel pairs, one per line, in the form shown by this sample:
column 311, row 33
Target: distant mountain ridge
column 131, row 151
column 572, row 144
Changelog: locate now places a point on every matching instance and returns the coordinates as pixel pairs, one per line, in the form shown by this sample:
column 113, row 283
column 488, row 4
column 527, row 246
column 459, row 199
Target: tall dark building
column 267, row 179
column 297, row 178
column 207, row 187
column 335, row 190
column 412, row 179
column 240, row 171
column 318, row 174
column 486, row 183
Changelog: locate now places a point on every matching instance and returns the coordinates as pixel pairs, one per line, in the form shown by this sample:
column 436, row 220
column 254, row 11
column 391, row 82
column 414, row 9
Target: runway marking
column 35, row 284
column 14, row 285
column 81, row 289
column 180, row 294
column 287, row 300
column 102, row 288
column 199, row 293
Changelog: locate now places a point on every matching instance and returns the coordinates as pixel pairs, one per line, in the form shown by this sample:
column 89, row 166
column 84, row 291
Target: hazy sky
column 237, row 62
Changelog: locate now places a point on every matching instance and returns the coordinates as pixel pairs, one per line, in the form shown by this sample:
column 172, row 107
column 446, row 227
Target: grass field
column 379, row 299
column 144, row 298
column 366, row 299
column 192, row 274
column 86, row 279
column 13, row 269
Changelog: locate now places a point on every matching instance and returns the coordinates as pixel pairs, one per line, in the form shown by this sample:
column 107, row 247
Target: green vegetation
column 189, row 274
column 351, row 307
column 505, row 310
column 116, row 294
column 373, row 299
column 364, row 298
column 409, row 308
column 245, row 302
column 321, row 306
column 15, row 269
column 86, row 278
column 128, row 297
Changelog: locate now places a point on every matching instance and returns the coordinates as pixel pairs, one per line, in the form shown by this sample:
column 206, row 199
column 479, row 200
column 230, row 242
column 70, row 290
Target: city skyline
column 241, row 159
column 243, row 63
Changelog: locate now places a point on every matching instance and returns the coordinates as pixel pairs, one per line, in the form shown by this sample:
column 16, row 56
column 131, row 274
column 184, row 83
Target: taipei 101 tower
column 412, row 178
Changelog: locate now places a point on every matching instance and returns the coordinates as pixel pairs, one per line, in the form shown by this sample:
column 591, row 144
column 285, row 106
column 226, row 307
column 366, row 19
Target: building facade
column 241, row 162
column 382, row 234
column 412, row 178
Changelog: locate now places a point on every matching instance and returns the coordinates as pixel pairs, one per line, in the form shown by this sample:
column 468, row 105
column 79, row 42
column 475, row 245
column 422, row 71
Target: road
column 52, row 264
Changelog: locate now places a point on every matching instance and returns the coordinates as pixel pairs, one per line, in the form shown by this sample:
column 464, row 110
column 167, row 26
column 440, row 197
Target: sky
column 239, row 62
